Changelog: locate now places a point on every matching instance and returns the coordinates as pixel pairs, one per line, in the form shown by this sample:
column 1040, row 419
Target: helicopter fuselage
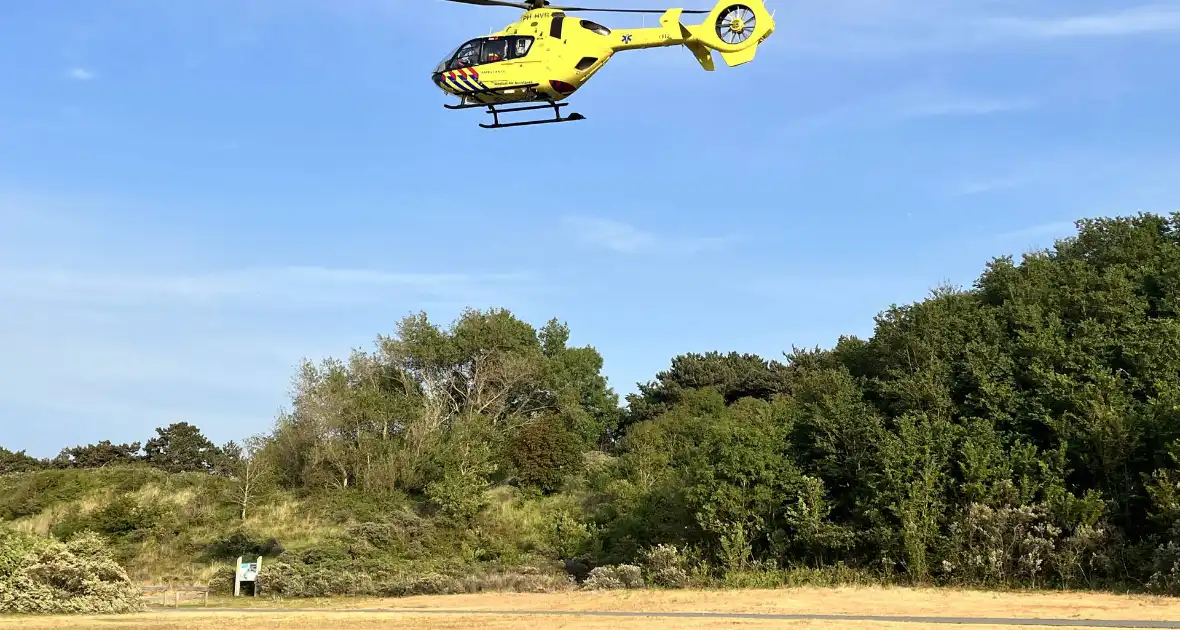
column 546, row 56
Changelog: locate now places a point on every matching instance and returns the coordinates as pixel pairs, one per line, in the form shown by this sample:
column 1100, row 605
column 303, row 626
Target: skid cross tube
column 496, row 124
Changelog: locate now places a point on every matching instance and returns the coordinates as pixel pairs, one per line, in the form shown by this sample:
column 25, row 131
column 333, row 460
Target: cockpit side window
column 520, row 46
column 494, row 50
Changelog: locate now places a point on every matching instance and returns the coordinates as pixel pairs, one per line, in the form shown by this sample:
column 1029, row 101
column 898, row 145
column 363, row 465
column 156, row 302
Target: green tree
column 181, row 447
column 389, row 418
column 544, row 453
column 19, row 461
column 250, row 472
column 100, row 455
column 733, row 375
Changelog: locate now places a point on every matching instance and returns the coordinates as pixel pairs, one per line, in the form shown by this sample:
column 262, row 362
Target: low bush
column 667, row 566
column 614, row 577
column 245, row 545
column 297, row 580
column 46, row 576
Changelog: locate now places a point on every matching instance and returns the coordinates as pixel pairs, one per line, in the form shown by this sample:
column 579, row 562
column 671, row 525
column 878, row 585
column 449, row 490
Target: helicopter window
column 555, row 28
column 494, row 50
column 520, row 47
column 446, row 62
column 597, row 28
column 468, row 54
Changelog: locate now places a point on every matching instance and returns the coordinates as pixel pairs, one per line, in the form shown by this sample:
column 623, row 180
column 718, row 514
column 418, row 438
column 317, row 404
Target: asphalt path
column 977, row 621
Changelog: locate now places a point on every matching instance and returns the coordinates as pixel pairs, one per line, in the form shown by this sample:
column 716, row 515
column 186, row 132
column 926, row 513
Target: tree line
column 178, row 447
column 1024, row 430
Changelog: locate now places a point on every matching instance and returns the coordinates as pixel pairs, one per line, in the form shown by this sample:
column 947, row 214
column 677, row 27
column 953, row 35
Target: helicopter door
column 494, row 50
column 518, row 50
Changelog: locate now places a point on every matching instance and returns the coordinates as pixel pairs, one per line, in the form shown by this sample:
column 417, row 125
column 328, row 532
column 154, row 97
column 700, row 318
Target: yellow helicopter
column 545, row 57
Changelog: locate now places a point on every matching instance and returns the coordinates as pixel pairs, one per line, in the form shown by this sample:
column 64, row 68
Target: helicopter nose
column 440, row 82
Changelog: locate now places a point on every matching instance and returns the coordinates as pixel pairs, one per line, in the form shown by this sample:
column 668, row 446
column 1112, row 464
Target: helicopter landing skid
column 496, row 124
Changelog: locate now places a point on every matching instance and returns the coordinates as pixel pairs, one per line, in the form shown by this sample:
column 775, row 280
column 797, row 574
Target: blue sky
column 196, row 194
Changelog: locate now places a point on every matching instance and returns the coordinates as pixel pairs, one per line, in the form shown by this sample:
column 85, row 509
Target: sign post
column 247, row 572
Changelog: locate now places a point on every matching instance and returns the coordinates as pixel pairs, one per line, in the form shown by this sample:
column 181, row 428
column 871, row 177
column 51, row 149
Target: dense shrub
column 301, row 580
column 667, row 566
column 18, row 462
column 245, row 545
column 52, row 577
column 221, row 582
column 122, row 516
column 614, row 577
column 544, row 453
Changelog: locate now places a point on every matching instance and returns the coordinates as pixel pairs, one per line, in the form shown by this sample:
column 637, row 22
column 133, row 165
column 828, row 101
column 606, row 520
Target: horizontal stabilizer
column 745, row 55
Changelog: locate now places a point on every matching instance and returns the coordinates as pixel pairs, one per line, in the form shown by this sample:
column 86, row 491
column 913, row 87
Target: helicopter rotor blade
column 496, row 3
column 559, row 8
column 538, row 4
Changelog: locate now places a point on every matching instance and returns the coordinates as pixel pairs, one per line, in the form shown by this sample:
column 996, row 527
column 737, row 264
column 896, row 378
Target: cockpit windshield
column 442, row 65
column 486, row 50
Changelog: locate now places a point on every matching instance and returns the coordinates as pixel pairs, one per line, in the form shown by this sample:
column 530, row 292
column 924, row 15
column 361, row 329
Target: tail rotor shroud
column 736, row 24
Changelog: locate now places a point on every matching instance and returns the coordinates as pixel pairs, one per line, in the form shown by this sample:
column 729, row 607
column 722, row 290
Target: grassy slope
column 179, row 528
column 162, row 524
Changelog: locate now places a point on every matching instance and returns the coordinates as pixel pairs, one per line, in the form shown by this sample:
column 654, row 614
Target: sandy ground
column 852, row 601
column 363, row 621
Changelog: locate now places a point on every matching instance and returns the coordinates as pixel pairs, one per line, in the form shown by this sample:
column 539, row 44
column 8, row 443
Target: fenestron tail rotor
column 736, row 24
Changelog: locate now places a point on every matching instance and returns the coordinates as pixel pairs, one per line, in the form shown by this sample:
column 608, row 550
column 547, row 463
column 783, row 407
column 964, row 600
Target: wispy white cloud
column 876, row 29
column 910, row 105
column 109, row 329
column 81, row 74
column 1141, row 20
column 288, row 286
column 934, row 106
column 626, row 238
column 108, row 354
